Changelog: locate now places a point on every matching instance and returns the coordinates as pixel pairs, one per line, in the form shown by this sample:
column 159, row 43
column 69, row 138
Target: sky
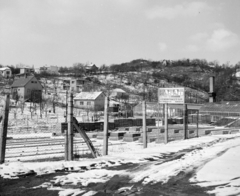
column 64, row 32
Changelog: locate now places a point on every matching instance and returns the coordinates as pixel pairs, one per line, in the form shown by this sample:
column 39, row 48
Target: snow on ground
column 220, row 171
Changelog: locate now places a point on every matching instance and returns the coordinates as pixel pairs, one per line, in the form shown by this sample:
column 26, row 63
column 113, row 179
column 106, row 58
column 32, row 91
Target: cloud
column 192, row 48
column 162, row 46
column 187, row 9
column 199, row 36
column 222, row 39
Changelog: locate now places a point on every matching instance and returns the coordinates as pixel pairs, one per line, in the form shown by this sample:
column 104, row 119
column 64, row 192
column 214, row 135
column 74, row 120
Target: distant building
column 221, row 110
column 27, row 88
column 237, row 74
column 90, row 100
column 76, row 85
column 26, row 70
column 92, row 68
column 118, row 92
column 52, row 69
column 6, row 72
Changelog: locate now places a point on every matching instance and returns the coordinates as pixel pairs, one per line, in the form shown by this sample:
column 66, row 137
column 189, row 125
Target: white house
column 90, row 100
column 6, row 72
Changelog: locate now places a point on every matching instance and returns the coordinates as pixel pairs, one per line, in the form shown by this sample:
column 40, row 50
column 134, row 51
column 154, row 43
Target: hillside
column 141, row 78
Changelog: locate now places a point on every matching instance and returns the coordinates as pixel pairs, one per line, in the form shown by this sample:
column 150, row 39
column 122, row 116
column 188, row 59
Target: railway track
column 32, row 149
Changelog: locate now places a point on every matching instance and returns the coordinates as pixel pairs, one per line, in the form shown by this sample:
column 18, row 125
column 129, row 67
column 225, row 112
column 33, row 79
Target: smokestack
column 212, row 94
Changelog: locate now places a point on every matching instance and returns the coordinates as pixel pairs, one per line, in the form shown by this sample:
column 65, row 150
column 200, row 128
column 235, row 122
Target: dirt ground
column 177, row 186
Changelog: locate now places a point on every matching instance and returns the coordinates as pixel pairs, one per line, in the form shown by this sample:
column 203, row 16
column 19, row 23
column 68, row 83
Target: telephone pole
column 3, row 132
column 105, row 131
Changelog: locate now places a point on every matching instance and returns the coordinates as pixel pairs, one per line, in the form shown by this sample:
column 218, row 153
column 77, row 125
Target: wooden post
column 144, row 124
column 66, row 144
column 197, row 122
column 185, row 121
column 70, row 127
column 3, row 133
column 158, row 119
column 105, row 131
column 66, row 105
column 166, row 124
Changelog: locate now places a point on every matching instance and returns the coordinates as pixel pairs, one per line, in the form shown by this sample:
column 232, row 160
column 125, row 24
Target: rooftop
column 88, row 95
column 20, row 82
column 221, row 107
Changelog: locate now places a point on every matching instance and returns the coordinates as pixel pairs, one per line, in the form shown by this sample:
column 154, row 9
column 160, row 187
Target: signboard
column 171, row 95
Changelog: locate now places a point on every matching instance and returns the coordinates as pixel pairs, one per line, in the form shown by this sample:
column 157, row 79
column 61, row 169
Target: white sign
column 171, row 95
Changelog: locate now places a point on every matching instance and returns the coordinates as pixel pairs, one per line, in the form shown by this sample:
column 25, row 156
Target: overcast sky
column 63, row 32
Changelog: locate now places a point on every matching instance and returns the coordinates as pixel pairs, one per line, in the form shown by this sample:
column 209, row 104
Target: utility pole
column 66, row 105
column 185, row 121
column 105, row 131
column 144, row 124
column 70, row 127
column 3, row 133
column 197, row 122
column 166, row 124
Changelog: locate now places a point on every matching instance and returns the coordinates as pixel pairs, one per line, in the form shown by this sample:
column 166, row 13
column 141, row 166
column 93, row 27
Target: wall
column 32, row 85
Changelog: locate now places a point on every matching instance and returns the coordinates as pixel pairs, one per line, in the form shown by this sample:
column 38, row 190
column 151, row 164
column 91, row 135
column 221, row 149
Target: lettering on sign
column 171, row 95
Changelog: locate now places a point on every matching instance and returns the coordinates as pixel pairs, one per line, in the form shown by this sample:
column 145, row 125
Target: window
column 72, row 82
column 81, row 102
column 89, row 103
column 19, row 89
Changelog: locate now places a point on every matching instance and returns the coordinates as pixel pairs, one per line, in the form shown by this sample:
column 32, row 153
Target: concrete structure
column 76, row 85
column 27, row 88
column 26, row 70
column 90, row 101
column 6, row 72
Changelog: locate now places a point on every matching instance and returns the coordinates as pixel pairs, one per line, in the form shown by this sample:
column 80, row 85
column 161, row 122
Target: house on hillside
column 76, row 85
column 237, row 74
column 52, row 69
column 92, row 68
column 119, row 94
column 27, row 88
column 26, row 70
column 6, row 72
column 90, row 100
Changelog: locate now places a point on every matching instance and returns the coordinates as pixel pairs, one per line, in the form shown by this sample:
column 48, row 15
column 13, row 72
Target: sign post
column 166, row 124
column 170, row 96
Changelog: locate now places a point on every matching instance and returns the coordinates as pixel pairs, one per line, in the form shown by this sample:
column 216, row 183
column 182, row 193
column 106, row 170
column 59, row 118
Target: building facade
column 6, row 72
column 90, row 101
column 27, row 88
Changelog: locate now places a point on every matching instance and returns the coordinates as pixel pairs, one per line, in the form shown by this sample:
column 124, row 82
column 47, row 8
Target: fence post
column 166, row 124
column 144, row 124
column 70, row 127
column 197, row 122
column 105, row 131
column 3, row 133
column 185, row 121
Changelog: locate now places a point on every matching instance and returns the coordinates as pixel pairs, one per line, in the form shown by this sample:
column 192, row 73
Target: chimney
column 212, row 94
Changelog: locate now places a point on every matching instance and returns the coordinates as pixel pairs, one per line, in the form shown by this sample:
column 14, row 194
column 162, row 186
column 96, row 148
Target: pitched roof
column 4, row 68
column 88, row 95
column 20, row 82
